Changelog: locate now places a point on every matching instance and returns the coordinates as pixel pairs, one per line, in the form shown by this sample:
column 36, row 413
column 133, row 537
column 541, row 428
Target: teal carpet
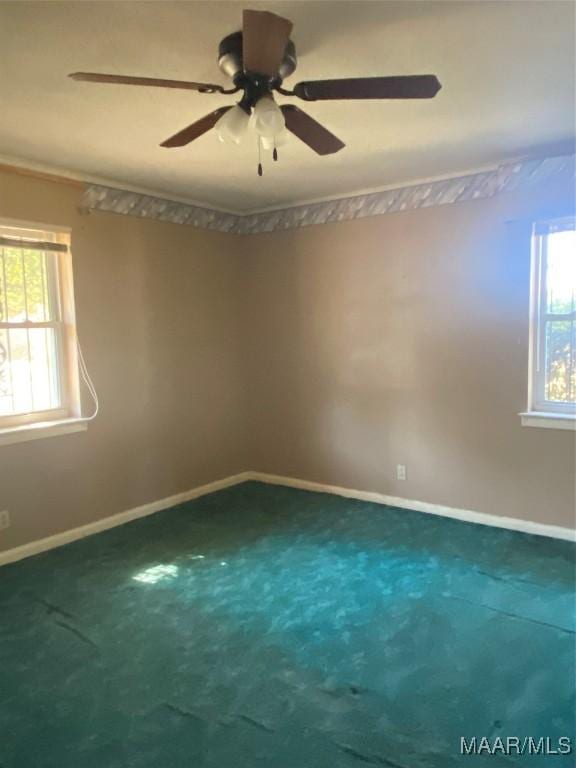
column 269, row 627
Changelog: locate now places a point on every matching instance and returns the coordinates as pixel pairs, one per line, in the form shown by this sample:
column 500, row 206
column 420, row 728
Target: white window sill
column 548, row 420
column 41, row 429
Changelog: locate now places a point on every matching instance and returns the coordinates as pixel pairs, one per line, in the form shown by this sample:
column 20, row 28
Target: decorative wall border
column 506, row 178
column 99, row 198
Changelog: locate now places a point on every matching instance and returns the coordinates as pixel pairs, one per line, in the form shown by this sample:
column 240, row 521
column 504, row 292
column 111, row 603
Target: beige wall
column 330, row 353
column 403, row 339
column 158, row 316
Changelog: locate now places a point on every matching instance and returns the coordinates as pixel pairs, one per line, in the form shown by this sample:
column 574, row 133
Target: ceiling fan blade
column 408, row 87
column 94, row 77
column 195, row 130
column 310, row 132
column 264, row 40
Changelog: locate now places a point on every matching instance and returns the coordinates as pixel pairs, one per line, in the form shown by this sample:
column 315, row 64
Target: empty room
column 288, row 384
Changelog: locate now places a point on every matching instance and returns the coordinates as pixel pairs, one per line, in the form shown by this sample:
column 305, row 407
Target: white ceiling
column 507, row 69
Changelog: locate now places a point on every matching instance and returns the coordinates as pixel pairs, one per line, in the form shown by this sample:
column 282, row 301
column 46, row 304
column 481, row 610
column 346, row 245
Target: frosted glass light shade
column 269, row 120
column 232, row 125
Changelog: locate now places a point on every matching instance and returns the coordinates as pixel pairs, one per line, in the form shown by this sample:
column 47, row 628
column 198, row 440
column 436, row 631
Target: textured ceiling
column 507, row 69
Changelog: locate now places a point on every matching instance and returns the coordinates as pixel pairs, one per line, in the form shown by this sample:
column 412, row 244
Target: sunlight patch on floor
column 157, row 573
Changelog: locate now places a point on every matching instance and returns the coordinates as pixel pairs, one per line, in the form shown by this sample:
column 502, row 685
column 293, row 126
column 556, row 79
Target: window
column 38, row 357
column 552, row 386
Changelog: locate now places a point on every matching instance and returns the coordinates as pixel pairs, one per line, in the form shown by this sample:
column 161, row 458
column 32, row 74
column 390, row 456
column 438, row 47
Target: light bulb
column 232, row 125
column 269, row 120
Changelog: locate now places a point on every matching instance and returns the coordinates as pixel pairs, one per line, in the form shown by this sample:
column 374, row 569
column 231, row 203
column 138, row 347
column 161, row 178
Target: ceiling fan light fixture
column 232, row 125
column 257, row 59
column 268, row 117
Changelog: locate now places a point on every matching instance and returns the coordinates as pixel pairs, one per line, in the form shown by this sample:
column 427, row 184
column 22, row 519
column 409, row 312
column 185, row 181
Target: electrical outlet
column 4, row 519
column 401, row 472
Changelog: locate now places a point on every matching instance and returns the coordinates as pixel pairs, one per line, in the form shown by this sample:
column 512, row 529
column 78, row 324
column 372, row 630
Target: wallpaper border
column 507, row 177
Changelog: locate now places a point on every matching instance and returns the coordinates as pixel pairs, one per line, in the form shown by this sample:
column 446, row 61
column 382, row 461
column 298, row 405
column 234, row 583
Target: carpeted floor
column 268, row 627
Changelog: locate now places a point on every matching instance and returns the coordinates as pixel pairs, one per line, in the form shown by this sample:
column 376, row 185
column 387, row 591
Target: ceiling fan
column 258, row 59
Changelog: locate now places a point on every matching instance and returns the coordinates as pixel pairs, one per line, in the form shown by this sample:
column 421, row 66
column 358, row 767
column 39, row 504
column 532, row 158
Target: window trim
column 541, row 412
column 41, row 429
column 26, row 426
column 548, row 420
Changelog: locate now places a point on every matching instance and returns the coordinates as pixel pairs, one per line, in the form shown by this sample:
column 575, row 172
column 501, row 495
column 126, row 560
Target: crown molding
column 80, row 179
column 362, row 192
column 506, row 177
column 45, row 172
column 103, row 195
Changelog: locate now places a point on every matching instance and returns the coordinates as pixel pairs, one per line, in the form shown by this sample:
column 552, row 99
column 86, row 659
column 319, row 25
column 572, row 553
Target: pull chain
column 275, row 153
column 259, row 156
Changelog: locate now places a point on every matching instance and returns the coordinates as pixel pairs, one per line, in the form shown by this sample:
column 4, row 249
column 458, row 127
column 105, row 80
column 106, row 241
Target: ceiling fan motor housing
column 231, row 63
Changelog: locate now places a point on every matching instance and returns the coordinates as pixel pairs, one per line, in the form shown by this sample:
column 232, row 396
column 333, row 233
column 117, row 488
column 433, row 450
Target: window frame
column 537, row 404
column 61, row 290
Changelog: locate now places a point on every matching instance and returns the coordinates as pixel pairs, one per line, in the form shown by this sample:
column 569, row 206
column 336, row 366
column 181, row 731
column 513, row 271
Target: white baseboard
column 467, row 515
column 51, row 542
